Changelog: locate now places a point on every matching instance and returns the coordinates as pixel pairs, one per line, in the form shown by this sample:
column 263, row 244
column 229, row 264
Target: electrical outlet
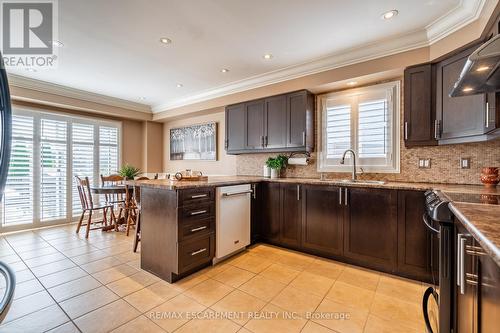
column 465, row 162
column 424, row 163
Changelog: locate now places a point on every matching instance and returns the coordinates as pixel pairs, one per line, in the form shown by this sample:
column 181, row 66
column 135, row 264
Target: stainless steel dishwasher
column 233, row 220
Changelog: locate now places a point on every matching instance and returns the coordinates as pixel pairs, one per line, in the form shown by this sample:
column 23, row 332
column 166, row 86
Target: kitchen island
column 321, row 217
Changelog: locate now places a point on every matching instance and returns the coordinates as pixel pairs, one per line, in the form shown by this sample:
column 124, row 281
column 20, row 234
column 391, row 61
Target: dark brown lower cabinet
column 417, row 246
column 370, row 227
column 270, row 212
column 478, row 294
column 290, row 223
column 322, row 220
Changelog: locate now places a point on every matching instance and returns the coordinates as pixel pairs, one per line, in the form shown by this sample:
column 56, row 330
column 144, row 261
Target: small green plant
column 279, row 162
column 129, row 171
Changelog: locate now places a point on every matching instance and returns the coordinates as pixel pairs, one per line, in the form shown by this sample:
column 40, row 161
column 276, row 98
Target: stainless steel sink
column 359, row 181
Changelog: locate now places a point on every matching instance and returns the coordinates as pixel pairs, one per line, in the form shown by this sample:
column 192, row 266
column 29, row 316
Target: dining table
column 115, row 189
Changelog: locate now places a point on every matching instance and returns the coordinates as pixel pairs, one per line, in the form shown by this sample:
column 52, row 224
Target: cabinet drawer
column 197, row 228
column 188, row 214
column 195, row 252
column 195, row 196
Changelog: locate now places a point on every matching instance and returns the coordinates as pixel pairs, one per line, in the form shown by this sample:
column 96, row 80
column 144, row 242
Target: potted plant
column 276, row 164
column 129, row 172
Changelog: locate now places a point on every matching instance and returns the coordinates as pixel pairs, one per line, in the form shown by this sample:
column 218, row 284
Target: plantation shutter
column 53, row 173
column 18, row 197
column 338, row 129
column 108, row 150
column 83, row 159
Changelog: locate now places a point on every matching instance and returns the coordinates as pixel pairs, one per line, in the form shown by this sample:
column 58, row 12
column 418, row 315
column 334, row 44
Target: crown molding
column 463, row 14
column 56, row 89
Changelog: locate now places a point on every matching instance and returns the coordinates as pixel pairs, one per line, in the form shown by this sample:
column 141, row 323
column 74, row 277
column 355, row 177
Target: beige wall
column 153, row 147
column 225, row 164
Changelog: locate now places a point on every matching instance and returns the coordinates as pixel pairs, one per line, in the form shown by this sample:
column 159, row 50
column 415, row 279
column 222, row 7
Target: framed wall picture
column 194, row 142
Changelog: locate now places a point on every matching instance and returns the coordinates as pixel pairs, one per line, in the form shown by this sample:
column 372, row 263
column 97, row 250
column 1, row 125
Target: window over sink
column 365, row 120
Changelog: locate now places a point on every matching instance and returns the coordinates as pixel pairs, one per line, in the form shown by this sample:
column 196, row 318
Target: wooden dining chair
column 83, row 186
column 116, row 200
column 137, row 199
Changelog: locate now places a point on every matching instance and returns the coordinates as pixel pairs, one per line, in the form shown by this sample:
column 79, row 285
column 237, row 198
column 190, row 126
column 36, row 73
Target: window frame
column 37, row 115
column 393, row 90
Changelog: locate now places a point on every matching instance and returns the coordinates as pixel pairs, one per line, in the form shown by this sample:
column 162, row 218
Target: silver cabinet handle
column 462, row 265
column 406, row 130
column 459, row 237
column 262, row 140
column 197, row 196
column 298, row 192
column 266, row 141
column 230, row 194
column 303, row 138
column 436, row 129
column 254, row 191
column 199, row 228
column 346, row 200
column 487, row 114
column 198, row 212
column 340, row 196
column 199, row 251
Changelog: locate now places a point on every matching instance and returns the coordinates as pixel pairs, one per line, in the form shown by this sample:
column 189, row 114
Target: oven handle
column 428, row 225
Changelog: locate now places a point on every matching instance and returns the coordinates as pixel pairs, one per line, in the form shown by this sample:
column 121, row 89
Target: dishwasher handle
column 231, row 194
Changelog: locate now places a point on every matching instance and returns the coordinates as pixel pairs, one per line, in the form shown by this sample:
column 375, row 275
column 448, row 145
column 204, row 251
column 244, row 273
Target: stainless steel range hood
column 481, row 72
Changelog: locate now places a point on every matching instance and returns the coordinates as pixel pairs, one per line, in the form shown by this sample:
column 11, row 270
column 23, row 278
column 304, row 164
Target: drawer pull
column 471, row 282
column 199, row 251
column 198, row 212
column 198, row 229
column 197, row 196
column 475, row 253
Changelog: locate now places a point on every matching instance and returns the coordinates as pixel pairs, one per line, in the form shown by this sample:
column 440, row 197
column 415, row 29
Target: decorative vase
column 489, row 176
column 275, row 173
column 267, row 171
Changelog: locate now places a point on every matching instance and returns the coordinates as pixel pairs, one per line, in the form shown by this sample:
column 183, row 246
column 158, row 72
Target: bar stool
column 137, row 199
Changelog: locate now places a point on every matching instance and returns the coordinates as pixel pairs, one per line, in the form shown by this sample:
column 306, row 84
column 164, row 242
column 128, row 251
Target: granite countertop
column 217, row 181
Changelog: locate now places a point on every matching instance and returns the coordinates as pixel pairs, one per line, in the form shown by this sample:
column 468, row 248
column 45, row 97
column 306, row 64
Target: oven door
column 430, row 302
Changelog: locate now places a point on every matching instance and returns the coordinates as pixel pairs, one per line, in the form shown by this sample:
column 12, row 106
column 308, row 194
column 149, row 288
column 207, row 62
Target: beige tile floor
column 68, row 284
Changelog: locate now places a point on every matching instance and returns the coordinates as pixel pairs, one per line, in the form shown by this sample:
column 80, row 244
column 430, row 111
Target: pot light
column 142, row 98
column 224, row 70
column 180, row 85
column 351, row 83
column 467, row 89
column 165, row 40
column 390, row 14
column 482, row 68
column 57, row 43
column 267, row 56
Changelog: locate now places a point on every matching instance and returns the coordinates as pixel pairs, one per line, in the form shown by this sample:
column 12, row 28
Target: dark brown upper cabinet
column 235, row 128
column 254, row 125
column 282, row 123
column 419, row 113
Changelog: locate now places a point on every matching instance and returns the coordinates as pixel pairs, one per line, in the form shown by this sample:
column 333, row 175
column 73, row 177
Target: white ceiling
column 112, row 47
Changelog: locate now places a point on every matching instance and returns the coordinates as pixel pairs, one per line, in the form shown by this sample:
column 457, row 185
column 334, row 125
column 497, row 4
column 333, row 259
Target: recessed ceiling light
column 180, row 85
column 390, row 14
column 351, row 83
column 267, row 56
column 467, row 89
column 165, row 40
column 57, row 43
column 482, row 68
column 224, row 70
column 142, row 98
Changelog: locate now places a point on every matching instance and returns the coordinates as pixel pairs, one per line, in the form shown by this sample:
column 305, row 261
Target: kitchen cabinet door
column 254, row 121
column 370, row 227
column 271, row 212
column 488, row 307
column 322, row 217
column 300, row 120
column 235, row 128
column 417, row 247
column 290, row 228
column 459, row 117
column 419, row 114
column 275, row 124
